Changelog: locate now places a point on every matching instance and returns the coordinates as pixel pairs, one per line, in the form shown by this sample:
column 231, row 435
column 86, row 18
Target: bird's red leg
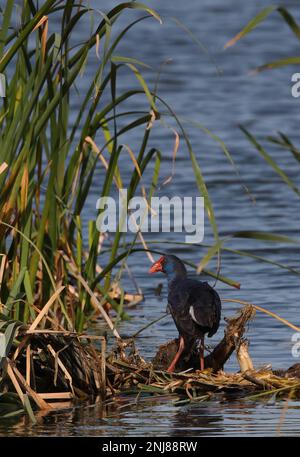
column 202, row 353
column 177, row 355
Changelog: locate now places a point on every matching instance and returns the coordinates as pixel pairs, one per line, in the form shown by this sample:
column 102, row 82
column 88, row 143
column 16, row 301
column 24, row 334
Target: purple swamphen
column 194, row 305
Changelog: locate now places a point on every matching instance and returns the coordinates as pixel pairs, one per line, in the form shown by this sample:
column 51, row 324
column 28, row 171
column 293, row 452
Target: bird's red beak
column 157, row 266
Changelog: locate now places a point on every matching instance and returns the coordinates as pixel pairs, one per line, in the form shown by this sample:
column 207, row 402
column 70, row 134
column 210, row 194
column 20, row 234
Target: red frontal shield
column 157, row 266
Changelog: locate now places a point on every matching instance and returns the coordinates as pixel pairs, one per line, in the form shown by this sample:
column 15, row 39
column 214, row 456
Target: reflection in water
column 158, row 416
column 200, row 420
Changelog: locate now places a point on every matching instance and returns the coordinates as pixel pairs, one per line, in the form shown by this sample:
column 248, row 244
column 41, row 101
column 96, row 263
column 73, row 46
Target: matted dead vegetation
column 50, row 366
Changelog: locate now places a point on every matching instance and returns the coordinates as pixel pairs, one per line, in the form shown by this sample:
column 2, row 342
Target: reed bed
column 47, row 368
column 205, row 385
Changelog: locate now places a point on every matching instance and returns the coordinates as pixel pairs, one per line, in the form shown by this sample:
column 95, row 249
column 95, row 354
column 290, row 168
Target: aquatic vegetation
column 51, row 150
column 55, row 274
column 48, row 367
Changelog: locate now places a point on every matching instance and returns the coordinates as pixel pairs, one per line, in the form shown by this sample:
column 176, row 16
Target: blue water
column 217, row 91
column 159, row 417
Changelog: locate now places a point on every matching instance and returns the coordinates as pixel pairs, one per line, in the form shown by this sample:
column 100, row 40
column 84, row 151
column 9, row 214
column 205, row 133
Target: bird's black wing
column 178, row 304
column 204, row 306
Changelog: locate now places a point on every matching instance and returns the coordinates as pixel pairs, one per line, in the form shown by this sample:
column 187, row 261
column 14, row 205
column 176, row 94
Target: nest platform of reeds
column 48, row 367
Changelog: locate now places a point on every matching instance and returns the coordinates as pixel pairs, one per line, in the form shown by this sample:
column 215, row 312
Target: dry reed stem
column 20, row 347
column 259, row 308
column 15, row 382
column 243, row 356
column 95, row 302
column 103, row 367
column 95, row 148
column 51, row 332
column 56, row 395
column 256, row 381
column 59, row 363
column 28, row 364
column 53, row 320
column 39, row 401
column 2, row 267
column 174, row 153
column 45, row 309
column 3, row 167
